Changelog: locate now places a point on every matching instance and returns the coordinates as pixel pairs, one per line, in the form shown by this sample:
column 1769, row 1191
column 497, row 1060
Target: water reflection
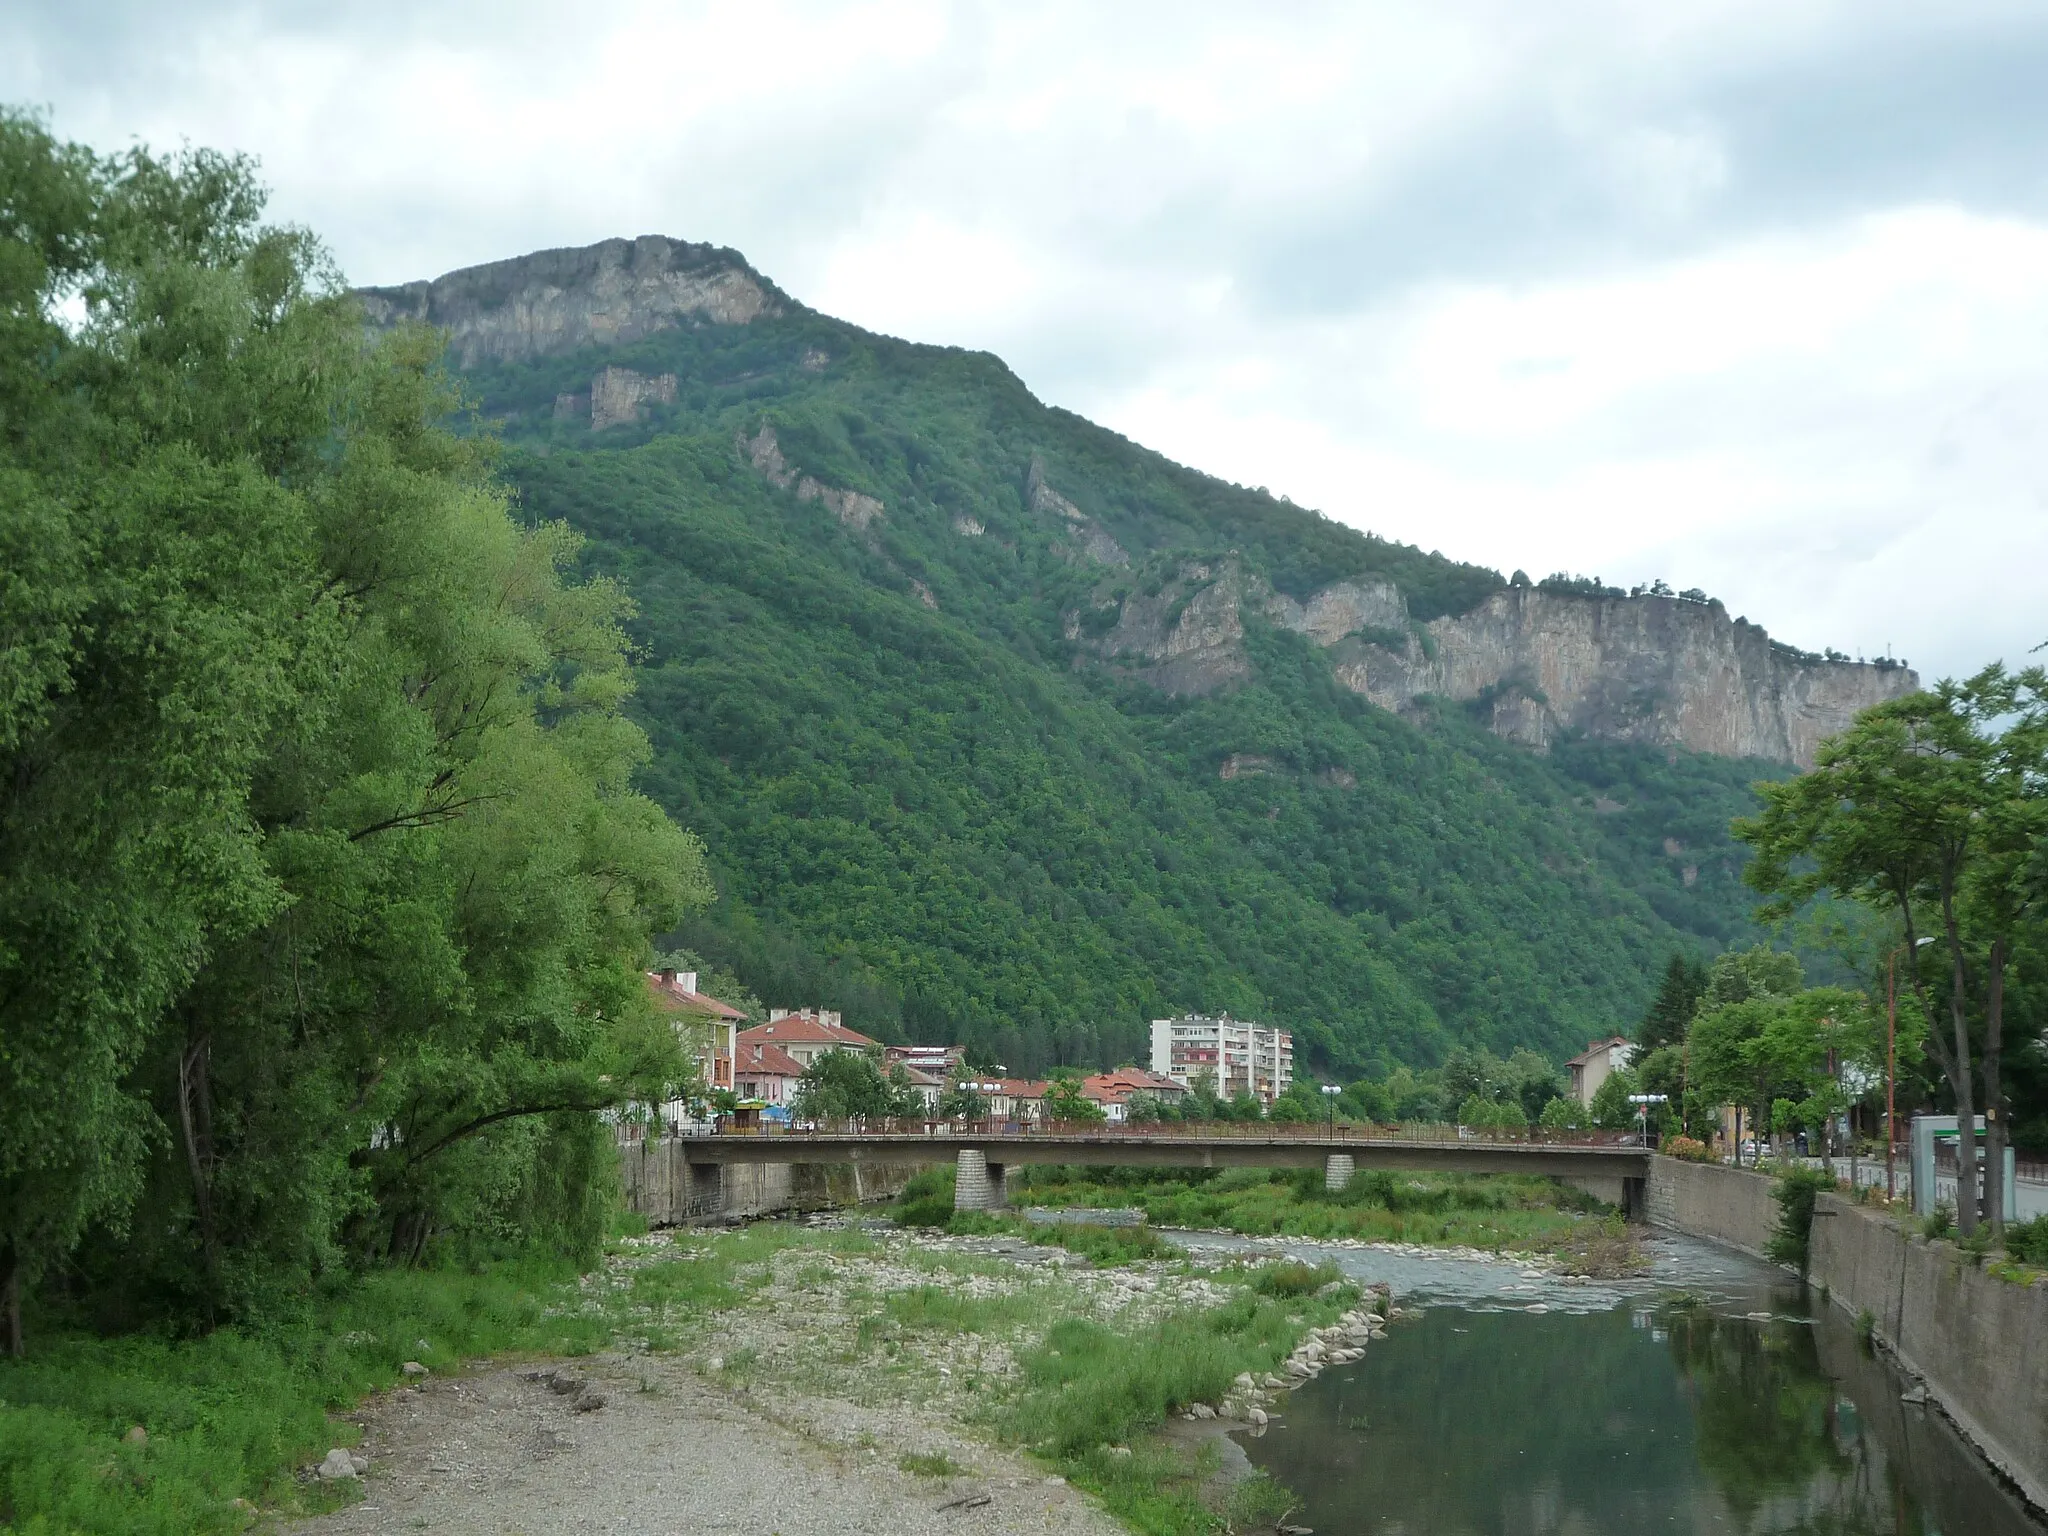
column 1645, row 1418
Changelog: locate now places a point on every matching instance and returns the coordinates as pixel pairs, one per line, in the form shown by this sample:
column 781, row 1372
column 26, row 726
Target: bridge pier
column 1635, row 1200
column 978, row 1184
column 1337, row 1170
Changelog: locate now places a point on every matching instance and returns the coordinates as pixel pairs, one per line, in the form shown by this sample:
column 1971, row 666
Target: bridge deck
column 1171, row 1149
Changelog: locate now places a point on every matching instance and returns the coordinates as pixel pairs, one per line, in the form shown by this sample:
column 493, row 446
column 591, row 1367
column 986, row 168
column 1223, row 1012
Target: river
column 1709, row 1397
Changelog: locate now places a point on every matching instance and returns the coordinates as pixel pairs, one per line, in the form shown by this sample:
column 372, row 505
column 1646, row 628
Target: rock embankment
column 1252, row 1398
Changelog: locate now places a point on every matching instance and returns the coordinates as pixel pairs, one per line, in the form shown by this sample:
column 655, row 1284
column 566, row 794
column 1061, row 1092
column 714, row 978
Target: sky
column 1751, row 297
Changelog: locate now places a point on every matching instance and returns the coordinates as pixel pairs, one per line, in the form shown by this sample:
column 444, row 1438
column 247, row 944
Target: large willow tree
column 323, row 884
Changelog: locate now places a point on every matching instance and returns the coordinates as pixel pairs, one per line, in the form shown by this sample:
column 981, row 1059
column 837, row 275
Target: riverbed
column 1709, row 1395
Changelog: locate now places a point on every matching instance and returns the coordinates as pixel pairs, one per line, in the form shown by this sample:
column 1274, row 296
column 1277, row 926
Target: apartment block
column 1237, row 1056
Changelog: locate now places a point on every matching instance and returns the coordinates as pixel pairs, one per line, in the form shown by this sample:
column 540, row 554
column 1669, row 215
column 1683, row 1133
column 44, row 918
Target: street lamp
column 1642, row 1102
column 1330, row 1092
column 1891, row 1055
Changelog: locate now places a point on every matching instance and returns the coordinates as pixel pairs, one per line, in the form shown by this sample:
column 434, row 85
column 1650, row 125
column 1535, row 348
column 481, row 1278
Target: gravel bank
column 495, row 1453
column 788, row 1408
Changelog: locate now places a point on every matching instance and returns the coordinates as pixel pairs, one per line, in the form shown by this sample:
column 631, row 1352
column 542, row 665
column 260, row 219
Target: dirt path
column 493, row 1452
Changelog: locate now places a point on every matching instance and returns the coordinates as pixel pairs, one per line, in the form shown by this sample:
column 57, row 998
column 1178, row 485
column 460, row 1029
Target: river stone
column 336, row 1467
column 1202, row 1411
column 413, row 1368
column 137, row 1435
column 1257, row 1416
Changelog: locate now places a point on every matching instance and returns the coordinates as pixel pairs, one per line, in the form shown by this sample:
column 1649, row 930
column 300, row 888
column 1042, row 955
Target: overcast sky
column 1746, row 296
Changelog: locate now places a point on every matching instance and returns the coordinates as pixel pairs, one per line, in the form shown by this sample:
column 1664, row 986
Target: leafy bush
column 1688, row 1149
column 2027, row 1241
column 1939, row 1223
column 1796, row 1189
column 927, row 1199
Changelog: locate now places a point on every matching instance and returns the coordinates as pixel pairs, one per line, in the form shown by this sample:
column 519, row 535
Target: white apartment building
column 1237, row 1056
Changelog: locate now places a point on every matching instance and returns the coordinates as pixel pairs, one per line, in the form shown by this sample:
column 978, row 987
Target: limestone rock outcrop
column 616, row 393
column 1664, row 671
column 559, row 301
column 1655, row 670
column 856, row 509
column 1092, row 539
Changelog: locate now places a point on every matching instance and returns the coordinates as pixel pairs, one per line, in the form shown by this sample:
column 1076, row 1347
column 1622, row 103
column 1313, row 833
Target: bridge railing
column 1341, row 1134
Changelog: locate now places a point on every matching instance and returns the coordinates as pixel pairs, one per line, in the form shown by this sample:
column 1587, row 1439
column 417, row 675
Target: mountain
column 1001, row 728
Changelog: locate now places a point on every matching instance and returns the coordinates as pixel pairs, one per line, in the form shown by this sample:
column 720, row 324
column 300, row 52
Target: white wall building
column 1235, row 1055
column 1596, row 1063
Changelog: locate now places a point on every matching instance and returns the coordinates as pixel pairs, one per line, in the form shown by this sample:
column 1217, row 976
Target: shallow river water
column 1707, row 1398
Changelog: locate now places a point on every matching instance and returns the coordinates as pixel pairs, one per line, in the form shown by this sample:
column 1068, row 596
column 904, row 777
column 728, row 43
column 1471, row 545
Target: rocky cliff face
column 1662, row 671
column 596, row 295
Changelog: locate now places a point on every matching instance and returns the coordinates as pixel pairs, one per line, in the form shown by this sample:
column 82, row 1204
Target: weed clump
column 1293, row 1278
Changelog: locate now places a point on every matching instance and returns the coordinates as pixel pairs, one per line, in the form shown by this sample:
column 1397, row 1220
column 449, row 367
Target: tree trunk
column 1958, row 1067
column 10, row 1297
column 195, row 1120
column 1994, row 1093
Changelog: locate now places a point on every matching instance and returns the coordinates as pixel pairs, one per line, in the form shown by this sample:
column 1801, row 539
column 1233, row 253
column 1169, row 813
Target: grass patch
column 230, row 1415
column 1090, row 1385
column 1104, row 1247
column 937, row 1465
column 1490, row 1211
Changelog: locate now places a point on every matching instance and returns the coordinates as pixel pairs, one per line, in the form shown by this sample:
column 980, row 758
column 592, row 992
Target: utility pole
column 1891, row 1058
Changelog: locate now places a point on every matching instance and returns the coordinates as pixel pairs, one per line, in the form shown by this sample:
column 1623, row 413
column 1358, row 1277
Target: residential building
column 1596, row 1063
column 806, row 1034
column 1114, row 1091
column 944, row 1062
column 708, row 1028
column 767, row 1075
column 1237, row 1056
column 1012, row 1098
column 930, row 1086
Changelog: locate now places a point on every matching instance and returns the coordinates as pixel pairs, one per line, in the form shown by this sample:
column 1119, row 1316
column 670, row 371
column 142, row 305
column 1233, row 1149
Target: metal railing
column 1341, row 1134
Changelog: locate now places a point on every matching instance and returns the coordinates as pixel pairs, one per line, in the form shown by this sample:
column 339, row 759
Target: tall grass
column 228, row 1416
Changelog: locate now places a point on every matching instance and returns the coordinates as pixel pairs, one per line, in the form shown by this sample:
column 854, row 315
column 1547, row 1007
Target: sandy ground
column 671, row 1453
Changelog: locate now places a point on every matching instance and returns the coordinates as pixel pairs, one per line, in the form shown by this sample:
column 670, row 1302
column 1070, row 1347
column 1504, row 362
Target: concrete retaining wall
column 663, row 1185
column 1710, row 1200
column 1980, row 1343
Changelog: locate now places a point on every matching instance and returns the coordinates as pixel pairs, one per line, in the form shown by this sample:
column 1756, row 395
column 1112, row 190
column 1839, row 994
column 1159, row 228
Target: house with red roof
column 707, row 1027
column 1115, row 1090
column 805, row 1034
column 767, row 1075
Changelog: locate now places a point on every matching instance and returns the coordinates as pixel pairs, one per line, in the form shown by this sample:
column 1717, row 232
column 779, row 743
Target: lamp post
column 1891, row 1058
column 1642, row 1102
column 1330, row 1092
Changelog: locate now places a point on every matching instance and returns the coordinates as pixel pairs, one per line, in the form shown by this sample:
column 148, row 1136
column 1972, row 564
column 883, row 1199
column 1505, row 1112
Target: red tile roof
column 766, row 1061
column 672, row 996
column 1117, row 1087
column 795, row 1028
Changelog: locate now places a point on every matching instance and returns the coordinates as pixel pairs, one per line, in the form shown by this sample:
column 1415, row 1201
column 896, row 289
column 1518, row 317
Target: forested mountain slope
column 999, row 727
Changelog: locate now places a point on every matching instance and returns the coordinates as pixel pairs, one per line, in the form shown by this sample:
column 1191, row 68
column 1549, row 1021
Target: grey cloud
column 1851, row 124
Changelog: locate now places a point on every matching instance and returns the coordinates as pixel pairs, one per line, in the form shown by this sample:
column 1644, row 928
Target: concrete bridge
column 987, row 1156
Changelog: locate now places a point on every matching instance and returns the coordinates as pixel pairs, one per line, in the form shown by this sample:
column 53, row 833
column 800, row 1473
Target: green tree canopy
column 324, row 888
column 1671, row 1011
column 854, row 1085
column 1931, row 810
column 1065, row 1101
